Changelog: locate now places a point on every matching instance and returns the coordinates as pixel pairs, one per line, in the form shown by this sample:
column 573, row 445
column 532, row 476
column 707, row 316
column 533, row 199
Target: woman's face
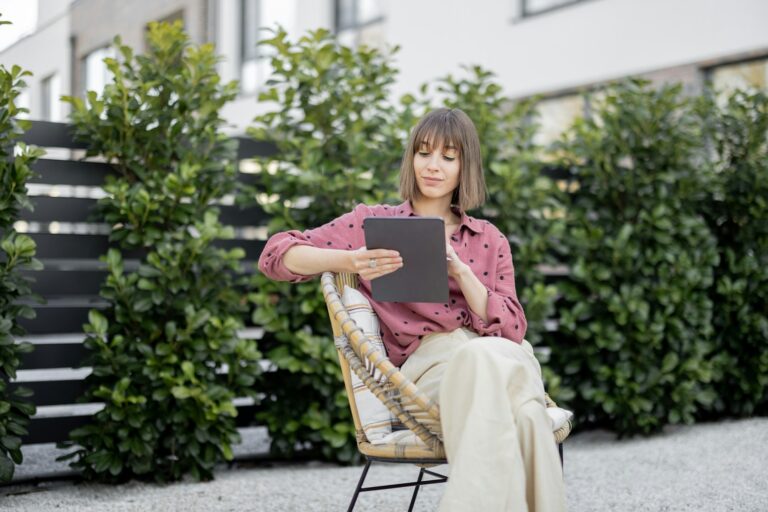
column 437, row 170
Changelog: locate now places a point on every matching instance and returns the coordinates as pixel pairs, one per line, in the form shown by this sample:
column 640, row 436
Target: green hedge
column 736, row 130
column 167, row 361
column 636, row 321
column 17, row 254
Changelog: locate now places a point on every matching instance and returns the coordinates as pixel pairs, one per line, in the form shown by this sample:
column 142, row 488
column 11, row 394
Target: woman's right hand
column 386, row 262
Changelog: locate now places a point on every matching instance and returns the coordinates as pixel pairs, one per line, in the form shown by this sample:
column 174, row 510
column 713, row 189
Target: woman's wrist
column 464, row 273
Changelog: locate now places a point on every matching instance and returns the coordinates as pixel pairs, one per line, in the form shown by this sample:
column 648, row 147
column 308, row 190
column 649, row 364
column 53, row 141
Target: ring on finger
column 372, row 263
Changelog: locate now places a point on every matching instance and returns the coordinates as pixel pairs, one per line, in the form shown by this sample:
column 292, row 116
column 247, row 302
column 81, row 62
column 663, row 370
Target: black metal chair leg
column 416, row 490
column 359, row 485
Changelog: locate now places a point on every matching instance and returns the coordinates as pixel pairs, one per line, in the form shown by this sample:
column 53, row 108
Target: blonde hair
column 443, row 127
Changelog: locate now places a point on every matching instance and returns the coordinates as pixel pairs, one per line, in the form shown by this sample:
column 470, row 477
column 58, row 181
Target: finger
column 381, row 253
column 382, row 271
column 366, row 262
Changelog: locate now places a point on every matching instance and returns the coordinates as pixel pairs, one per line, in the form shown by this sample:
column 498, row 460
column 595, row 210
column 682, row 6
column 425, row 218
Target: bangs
column 438, row 131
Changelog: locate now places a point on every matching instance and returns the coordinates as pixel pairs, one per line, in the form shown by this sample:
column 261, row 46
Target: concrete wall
column 96, row 22
column 580, row 44
column 44, row 53
column 552, row 53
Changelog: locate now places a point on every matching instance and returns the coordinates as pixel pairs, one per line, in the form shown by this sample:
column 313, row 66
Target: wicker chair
column 412, row 408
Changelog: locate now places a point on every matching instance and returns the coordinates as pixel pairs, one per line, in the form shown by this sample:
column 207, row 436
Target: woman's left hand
column 455, row 265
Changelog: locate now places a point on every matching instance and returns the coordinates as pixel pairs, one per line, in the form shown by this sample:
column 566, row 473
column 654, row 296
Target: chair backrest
column 347, row 279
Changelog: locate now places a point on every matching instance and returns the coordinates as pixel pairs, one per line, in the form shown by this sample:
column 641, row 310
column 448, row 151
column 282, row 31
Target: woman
column 469, row 355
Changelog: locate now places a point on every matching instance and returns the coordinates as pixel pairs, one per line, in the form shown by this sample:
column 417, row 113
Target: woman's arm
column 475, row 292
column 494, row 311
column 307, row 260
column 337, row 246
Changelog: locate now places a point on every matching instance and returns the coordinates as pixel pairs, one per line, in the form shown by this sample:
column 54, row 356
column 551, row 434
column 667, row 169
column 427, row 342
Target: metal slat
column 90, row 174
column 52, row 430
column 56, row 320
column 84, row 247
column 236, row 216
column 52, row 135
column 60, row 209
column 54, row 355
column 49, row 392
column 76, row 209
column 68, row 172
column 249, row 148
column 50, row 283
column 70, row 246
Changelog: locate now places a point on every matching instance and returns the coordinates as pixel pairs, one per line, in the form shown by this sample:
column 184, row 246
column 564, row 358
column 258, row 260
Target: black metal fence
column 69, row 243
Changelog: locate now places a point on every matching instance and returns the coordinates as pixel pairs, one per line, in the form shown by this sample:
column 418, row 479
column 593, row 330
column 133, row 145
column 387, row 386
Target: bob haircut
column 442, row 127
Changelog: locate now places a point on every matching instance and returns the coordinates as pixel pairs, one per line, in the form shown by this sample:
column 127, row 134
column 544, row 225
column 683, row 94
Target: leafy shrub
column 167, row 361
column 17, row 253
column 340, row 144
column 737, row 213
column 637, row 316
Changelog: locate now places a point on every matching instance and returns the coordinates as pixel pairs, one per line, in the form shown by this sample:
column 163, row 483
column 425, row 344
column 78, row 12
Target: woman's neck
column 434, row 208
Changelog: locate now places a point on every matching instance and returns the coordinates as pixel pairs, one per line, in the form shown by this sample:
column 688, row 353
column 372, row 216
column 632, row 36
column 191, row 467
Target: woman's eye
column 424, row 153
column 449, row 158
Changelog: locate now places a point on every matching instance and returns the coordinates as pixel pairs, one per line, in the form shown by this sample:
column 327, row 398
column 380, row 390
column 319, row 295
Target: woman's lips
column 431, row 181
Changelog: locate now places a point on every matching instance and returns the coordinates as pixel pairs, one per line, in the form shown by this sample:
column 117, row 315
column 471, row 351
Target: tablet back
column 421, row 243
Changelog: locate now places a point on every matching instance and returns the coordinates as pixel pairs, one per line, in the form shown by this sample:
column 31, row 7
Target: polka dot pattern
column 478, row 243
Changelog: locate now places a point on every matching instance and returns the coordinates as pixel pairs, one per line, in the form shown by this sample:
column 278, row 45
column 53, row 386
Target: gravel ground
column 709, row 467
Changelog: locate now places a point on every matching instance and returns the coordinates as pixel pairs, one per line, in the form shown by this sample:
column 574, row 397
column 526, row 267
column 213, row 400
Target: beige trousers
column 497, row 434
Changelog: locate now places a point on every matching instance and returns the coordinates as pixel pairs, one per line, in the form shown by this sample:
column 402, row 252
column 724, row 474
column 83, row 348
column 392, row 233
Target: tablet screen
column 421, row 243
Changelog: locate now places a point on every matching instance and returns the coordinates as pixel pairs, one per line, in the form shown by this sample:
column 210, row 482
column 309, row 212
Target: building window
column 556, row 115
column 532, row 7
column 95, row 72
column 50, row 90
column 360, row 22
column 751, row 74
column 256, row 16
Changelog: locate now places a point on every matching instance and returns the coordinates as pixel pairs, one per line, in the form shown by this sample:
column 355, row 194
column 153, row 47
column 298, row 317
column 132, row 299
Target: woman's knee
column 476, row 350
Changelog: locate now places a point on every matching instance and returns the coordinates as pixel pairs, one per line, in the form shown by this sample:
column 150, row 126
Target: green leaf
column 7, row 468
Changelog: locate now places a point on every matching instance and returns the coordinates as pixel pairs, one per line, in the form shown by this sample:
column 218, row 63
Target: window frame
column 357, row 24
column 708, row 71
column 525, row 11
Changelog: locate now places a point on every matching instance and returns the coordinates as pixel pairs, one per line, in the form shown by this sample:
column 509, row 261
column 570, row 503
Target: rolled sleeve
column 504, row 311
column 271, row 259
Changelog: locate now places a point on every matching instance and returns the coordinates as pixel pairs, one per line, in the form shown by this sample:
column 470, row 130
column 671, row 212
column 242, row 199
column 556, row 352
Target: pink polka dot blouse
column 478, row 243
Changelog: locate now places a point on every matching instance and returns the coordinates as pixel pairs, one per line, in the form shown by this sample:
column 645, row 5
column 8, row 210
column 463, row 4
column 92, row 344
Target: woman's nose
column 434, row 162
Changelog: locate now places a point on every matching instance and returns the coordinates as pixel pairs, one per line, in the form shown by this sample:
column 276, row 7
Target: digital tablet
column 421, row 243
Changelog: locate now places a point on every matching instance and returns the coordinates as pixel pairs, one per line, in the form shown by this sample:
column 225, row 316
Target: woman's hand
column 384, row 262
column 456, row 267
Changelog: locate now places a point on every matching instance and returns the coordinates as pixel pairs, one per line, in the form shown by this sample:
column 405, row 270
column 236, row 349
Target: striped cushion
column 375, row 418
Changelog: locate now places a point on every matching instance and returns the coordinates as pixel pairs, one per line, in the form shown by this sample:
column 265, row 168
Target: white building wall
column 576, row 45
column 558, row 51
column 45, row 52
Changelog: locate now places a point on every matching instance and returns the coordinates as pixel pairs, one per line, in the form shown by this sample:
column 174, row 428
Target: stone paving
column 707, row 467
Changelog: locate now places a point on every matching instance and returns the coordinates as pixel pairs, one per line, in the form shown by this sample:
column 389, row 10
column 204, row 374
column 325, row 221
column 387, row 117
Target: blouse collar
column 467, row 221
